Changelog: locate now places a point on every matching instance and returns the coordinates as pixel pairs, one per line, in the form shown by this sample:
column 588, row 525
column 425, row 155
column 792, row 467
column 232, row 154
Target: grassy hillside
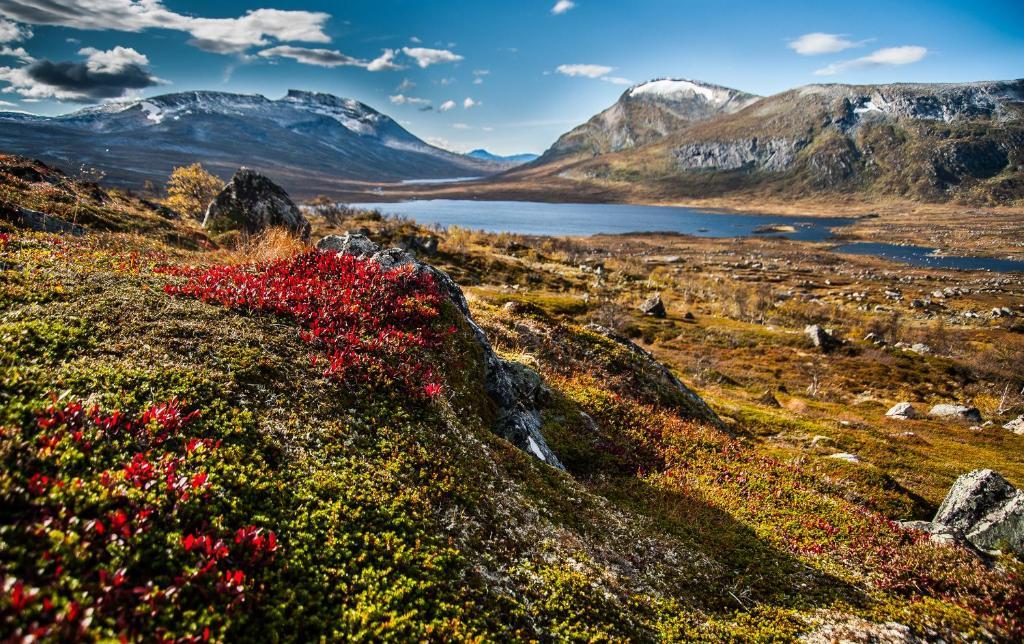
column 189, row 452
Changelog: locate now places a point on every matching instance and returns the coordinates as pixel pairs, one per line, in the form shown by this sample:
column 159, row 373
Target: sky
column 508, row 76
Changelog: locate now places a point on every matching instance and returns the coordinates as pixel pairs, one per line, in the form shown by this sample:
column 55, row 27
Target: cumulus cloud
column 590, row 71
column 888, row 56
column 13, row 32
column 257, row 28
column 102, row 75
column 817, row 42
column 308, row 56
column 405, row 85
column 385, row 62
column 447, row 105
column 402, row 99
column 469, row 103
column 16, row 52
column 616, row 80
column 425, row 57
column 562, row 6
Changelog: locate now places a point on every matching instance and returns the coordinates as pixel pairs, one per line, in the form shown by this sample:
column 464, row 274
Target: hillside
column 916, row 141
column 646, row 113
column 308, row 142
column 283, row 442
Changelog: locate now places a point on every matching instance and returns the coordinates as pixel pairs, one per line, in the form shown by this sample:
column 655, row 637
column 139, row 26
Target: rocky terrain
column 306, row 141
column 224, row 432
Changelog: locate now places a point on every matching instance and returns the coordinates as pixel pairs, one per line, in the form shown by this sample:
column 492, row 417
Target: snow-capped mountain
column 307, row 141
column 647, row 112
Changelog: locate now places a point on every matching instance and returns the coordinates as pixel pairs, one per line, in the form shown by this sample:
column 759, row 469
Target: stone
column 923, row 349
column 1016, row 425
column 902, row 411
column 956, row 412
column 251, row 203
column 821, row 338
column 769, row 399
column 517, row 391
column 986, row 508
column 653, row 306
column 846, row 456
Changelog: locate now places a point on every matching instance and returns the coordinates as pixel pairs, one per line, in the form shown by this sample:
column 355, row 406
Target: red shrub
column 376, row 325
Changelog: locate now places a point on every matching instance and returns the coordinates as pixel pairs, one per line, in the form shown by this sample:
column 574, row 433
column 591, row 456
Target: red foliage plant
column 109, row 529
column 376, row 325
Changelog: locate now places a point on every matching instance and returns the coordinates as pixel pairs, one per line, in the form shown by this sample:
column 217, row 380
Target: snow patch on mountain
column 673, row 89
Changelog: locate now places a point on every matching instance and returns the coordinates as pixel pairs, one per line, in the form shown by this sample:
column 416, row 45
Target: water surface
column 572, row 219
column 923, row 256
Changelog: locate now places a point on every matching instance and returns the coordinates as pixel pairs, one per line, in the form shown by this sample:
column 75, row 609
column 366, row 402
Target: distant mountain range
column 308, row 142
column 512, row 159
column 673, row 138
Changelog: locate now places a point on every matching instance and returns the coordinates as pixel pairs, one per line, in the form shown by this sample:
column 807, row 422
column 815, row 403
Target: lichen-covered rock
column 653, row 306
column 517, row 391
column 1016, row 425
column 251, row 203
column 956, row 412
column 973, row 496
column 902, row 411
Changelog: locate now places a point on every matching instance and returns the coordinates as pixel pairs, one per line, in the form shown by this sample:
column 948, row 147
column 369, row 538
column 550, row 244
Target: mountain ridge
column 307, row 141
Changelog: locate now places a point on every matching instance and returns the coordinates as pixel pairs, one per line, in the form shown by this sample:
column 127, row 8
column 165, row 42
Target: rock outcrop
column 1016, row 425
column 983, row 508
column 822, row 339
column 956, row 412
column 251, row 203
column 517, row 391
column 653, row 306
column 902, row 411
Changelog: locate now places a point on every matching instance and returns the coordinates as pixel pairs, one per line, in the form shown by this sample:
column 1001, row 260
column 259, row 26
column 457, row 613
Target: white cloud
column 439, row 142
column 468, row 103
column 816, row 43
column 405, row 85
column 590, row 71
column 113, row 61
column 478, row 81
column 257, row 28
column 883, row 57
column 445, row 82
column 402, row 99
column 562, row 6
column 460, row 126
column 415, row 40
column 385, row 62
column 447, row 105
column 13, row 32
column 308, row 56
column 616, row 80
column 481, row 72
column 16, row 52
column 425, row 57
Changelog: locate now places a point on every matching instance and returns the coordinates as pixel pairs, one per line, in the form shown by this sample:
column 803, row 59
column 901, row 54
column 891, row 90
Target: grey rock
column 518, row 392
column 769, row 155
column 653, row 306
column 846, row 456
column 973, row 496
column 821, row 338
column 1003, row 528
column 902, row 411
column 252, row 203
column 1016, row 425
column 957, row 412
column 769, row 399
column 38, row 221
column 938, row 533
column 923, row 349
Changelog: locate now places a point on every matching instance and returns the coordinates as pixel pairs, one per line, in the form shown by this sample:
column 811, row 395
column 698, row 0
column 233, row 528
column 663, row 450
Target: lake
column 571, row 219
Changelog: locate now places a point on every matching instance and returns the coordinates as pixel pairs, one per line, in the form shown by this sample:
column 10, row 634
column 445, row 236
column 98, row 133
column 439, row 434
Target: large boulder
column 821, row 338
column 902, row 411
column 986, row 508
column 1016, row 425
column 653, row 306
column 251, row 203
column 518, row 392
column 956, row 412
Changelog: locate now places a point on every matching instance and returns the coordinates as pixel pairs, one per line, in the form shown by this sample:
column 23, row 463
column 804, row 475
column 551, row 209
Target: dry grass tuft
column 269, row 245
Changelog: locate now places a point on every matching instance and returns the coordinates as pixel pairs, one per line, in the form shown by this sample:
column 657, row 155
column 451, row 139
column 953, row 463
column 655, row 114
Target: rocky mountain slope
column 306, row 141
column 921, row 141
column 510, row 160
column 648, row 112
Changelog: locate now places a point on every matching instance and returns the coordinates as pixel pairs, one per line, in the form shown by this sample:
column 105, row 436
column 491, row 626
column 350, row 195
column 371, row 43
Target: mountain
column 512, row 159
column 919, row 141
column 308, row 142
column 648, row 112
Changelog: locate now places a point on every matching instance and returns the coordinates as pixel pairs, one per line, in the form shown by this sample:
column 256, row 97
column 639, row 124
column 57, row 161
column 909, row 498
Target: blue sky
column 506, row 75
